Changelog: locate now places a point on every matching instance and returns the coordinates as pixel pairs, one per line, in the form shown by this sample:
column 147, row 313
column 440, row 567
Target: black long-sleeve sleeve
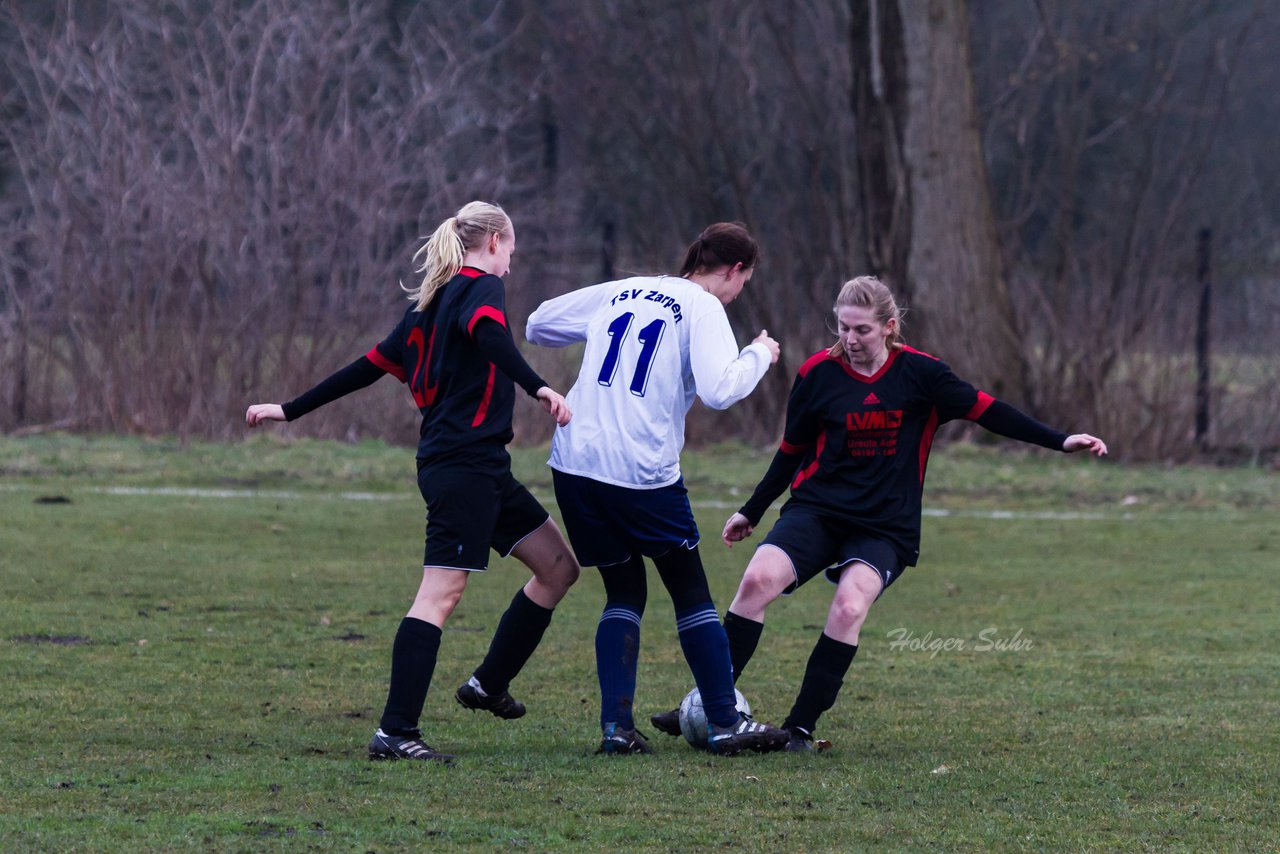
column 359, row 374
column 1008, row 421
column 496, row 344
column 775, row 482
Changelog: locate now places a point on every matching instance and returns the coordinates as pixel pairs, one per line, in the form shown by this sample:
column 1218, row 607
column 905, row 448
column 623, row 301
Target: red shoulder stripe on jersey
column 984, row 400
column 789, row 448
column 484, row 401
column 815, row 359
column 926, row 441
column 920, row 353
column 813, row 466
column 382, row 362
column 472, row 272
column 486, row 311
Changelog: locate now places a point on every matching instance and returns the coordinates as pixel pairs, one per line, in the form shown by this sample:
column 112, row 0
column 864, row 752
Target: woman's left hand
column 554, row 402
column 1085, row 442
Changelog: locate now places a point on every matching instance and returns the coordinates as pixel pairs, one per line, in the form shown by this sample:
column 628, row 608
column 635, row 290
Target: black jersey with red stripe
column 466, row 402
column 864, row 440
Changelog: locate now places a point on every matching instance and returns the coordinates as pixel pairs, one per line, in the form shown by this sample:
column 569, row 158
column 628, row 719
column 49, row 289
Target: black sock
column 823, row 677
column 744, row 635
column 413, row 660
column 519, row 632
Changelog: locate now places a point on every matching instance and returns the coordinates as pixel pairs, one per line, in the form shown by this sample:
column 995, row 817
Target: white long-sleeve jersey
column 653, row 342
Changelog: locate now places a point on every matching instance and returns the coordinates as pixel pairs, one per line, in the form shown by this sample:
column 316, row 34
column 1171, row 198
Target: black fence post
column 1203, row 246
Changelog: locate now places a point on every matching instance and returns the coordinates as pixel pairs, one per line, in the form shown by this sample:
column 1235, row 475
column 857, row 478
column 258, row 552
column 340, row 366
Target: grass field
column 196, row 642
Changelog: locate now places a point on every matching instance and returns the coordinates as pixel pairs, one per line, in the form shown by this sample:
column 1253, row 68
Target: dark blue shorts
column 606, row 524
column 814, row 543
column 471, row 510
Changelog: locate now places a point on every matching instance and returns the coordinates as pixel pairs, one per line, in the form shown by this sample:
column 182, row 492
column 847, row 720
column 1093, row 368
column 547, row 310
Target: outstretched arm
column 563, row 320
column 999, row 417
column 353, row 377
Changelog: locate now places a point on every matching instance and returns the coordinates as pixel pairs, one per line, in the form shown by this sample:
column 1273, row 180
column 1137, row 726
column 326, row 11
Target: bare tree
column 1100, row 123
column 930, row 223
column 216, row 200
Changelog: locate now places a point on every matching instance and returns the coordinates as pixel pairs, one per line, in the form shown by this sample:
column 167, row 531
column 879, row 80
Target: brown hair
column 721, row 245
column 870, row 292
column 446, row 248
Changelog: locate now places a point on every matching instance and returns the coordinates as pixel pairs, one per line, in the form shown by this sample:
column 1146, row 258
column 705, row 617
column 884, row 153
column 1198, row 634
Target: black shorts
column 606, row 524
column 471, row 510
column 814, row 543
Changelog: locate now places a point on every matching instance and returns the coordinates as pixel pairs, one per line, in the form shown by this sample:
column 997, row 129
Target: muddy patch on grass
column 56, row 640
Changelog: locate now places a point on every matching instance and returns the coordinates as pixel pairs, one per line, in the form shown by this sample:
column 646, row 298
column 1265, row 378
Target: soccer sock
column 707, row 650
column 618, row 639
column 413, row 660
column 744, row 636
column 823, row 676
column 617, row 657
column 519, row 633
column 702, row 636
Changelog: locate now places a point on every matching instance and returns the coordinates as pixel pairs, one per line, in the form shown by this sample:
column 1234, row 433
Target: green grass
column 201, row 672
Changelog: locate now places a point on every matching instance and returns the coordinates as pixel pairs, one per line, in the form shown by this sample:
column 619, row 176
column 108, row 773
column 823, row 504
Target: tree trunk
column 930, row 224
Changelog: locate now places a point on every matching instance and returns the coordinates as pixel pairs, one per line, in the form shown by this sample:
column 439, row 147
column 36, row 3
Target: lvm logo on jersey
column 872, row 434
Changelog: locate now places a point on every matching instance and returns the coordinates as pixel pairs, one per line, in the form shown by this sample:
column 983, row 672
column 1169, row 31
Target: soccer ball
column 693, row 718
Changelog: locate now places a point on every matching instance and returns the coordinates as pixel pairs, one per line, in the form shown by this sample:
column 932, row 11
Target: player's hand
column 1085, row 442
column 738, row 528
column 554, row 402
column 770, row 344
column 260, row 412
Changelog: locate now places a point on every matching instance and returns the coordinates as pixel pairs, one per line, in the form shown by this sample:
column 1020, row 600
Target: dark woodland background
column 209, row 203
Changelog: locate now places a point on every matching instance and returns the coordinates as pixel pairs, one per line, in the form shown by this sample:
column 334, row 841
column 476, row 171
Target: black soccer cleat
column 800, row 740
column 621, row 742
column 746, row 734
column 390, row 747
column 502, row 705
column 668, row 722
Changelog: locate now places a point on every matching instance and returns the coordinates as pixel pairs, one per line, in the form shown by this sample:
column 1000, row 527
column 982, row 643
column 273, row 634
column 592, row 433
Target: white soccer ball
column 693, row 718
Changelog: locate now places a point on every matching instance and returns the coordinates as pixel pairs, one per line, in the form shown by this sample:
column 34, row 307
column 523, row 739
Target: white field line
column 289, row 495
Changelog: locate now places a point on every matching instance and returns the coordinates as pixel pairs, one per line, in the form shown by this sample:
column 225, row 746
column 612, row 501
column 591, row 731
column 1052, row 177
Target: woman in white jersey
column 652, row 343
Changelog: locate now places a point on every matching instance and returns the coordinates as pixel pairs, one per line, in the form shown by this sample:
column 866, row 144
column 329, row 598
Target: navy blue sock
column 707, row 650
column 617, row 657
column 413, row 661
column 823, row 676
column 744, row 636
column 618, row 639
column 519, row 632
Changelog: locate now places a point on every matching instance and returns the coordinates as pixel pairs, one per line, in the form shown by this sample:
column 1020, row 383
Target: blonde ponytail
column 446, row 249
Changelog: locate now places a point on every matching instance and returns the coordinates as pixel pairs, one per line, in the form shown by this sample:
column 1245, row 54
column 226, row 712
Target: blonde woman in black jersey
column 860, row 422
column 454, row 351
